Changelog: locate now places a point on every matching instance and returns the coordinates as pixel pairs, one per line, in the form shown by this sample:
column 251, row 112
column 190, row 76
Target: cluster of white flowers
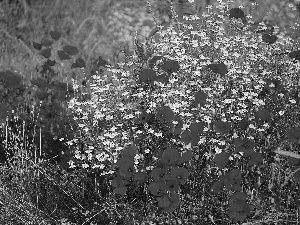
column 242, row 53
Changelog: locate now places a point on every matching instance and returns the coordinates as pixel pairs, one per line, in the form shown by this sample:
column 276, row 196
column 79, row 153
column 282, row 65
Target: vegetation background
column 102, row 28
column 105, row 27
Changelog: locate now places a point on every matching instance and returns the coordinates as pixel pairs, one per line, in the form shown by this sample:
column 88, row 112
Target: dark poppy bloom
column 165, row 114
column 164, row 201
column 273, row 84
column 12, row 80
column 239, row 208
column 180, row 173
column 126, row 167
column 140, row 178
column 237, row 13
column 243, row 124
column 262, row 114
column 127, row 171
column 219, row 68
column 270, row 39
column 130, row 151
column 162, row 79
column 222, row 127
column 170, row 66
column 158, row 173
column 153, row 61
column 169, row 202
column 244, row 145
column 295, row 55
column 232, row 178
column 157, row 188
column 293, row 134
column 171, row 183
column 148, row 76
column 170, row 157
column 178, row 127
column 297, row 176
column 119, row 181
column 200, row 98
column 144, row 117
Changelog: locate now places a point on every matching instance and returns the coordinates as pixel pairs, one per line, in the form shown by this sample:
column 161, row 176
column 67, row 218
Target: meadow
column 199, row 124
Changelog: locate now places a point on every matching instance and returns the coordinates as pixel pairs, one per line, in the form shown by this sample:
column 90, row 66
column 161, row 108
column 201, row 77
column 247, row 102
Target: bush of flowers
column 204, row 88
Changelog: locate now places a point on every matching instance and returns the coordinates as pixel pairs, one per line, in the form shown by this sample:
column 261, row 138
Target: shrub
column 182, row 83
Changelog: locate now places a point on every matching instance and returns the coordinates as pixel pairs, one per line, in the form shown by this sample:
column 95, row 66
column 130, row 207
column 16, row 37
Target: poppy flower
column 242, row 213
column 239, row 209
column 165, row 113
column 232, row 177
column 42, row 95
column 144, row 117
column 11, row 78
column 5, row 110
column 293, row 161
column 140, row 178
column 219, row 68
column 157, row 188
column 62, row 55
column 217, row 186
column 59, row 86
column 147, row 76
column 244, row 145
column 293, row 134
column 262, row 114
column 197, row 127
column 222, row 127
column 46, row 42
column 70, row 50
column 295, row 55
column 46, row 53
column 158, row 173
column 130, row 151
column 55, row 35
column 256, row 158
column 126, row 167
column 222, row 159
column 297, row 176
column 178, row 127
column 237, row 13
column 173, row 198
column 119, row 181
column 186, row 137
column 164, row 201
column 79, row 63
column 243, row 124
column 50, row 62
column 170, row 66
column 200, row 98
column 170, row 156
column 270, row 39
column 153, row 61
column 195, row 138
column 185, row 157
column 241, row 196
column 37, row 45
column 167, row 125
column 171, row 183
column 275, row 82
column 179, row 173
column 120, row 190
